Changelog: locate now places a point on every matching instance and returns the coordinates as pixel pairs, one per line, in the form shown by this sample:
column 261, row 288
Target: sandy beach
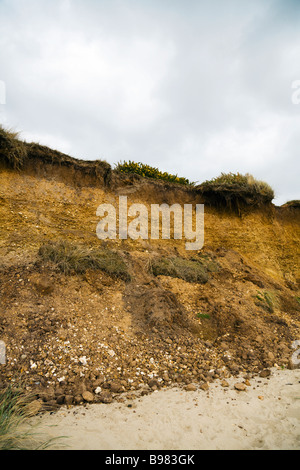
column 265, row 416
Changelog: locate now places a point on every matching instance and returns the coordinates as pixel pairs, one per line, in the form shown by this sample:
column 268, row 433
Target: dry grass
column 75, row 259
column 236, row 190
column 189, row 270
column 294, row 204
column 12, row 151
column 15, row 431
column 267, row 300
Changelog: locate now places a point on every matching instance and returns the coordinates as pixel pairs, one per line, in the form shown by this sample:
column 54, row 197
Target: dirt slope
column 70, row 334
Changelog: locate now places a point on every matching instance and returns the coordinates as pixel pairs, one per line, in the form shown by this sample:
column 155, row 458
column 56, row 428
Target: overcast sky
column 192, row 87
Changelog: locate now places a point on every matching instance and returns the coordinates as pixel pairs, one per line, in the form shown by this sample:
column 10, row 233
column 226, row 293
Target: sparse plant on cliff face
column 12, row 151
column 77, row 259
column 151, row 172
column 236, row 191
column 189, row 270
column 238, row 181
column 267, row 300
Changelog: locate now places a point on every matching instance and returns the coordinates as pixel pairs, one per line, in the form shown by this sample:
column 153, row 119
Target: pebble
column 88, row 396
column 204, row 386
column 190, row 388
column 241, row 387
column 265, row 373
column 224, row 383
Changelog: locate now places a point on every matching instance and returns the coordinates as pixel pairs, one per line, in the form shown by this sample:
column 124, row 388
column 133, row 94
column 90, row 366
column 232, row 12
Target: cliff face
column 46, row 201
column 69, row 332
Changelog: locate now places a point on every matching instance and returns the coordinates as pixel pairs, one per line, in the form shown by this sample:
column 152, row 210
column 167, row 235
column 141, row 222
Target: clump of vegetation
column 266, row 300
column 235, row 190
column 12, row 151
column 294, row 204
column 151, row 172
column 75, row 259
column 211, row 265
column 189, row 270
column 203, row 315
column 15, row 409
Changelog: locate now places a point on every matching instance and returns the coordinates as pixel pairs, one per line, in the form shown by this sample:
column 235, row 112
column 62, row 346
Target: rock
column 105, row 397
column 60, row 399
column 241, row 387
column 293, row 364
column 98, row 382
column 190, row 388
column 265, row 373
column 271, row 356
column 77, row 399
column 83, row 360
column 88, row 396
column 204, row 386
column 47, row 395
column 116, row 387
column 153, row 383
column 224, row 383
column 81, row 388
column 69, row 400
column 259, row 339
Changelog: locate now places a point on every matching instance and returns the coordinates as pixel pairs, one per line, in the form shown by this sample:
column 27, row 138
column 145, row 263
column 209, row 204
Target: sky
column 193, row 87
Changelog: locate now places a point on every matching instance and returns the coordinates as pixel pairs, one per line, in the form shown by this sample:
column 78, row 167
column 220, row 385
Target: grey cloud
column 195, row 88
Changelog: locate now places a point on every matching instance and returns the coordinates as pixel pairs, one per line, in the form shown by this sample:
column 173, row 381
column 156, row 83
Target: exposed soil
column 95, row 337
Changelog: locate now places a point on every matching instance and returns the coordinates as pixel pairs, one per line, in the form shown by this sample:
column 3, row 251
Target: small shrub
column 189, row 270
column 235, row 190
column 266, row 300
column 203, row 315
column 151, row 172
column 76, row 259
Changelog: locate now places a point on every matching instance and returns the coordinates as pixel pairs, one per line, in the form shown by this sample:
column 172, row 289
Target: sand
column 266, row 416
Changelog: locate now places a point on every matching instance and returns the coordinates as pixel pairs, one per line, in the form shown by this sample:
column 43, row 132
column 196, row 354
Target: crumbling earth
column 93, row 338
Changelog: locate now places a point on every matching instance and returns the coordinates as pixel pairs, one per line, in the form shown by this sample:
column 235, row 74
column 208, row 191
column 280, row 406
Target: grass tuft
column 267, row 300
column 12, row 151
column 15, row 431
column 189, row 270
column 75, row 259
column 234, row 190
